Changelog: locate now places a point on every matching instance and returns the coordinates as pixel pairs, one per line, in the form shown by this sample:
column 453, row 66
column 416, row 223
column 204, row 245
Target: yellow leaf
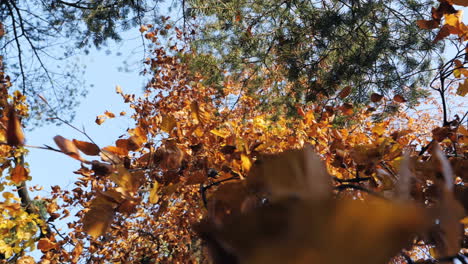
column 153, row 198
column 168, row 123
column 246, row 163
column 463, row 88
column 379, row 129
column 220, row 132
column 109, row 114
column 130, row 182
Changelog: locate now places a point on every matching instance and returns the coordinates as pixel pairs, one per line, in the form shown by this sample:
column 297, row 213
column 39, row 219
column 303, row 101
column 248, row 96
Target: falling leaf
column 297, row 173
column 67, row 147
column 130, row 182
column 347, row 109
column 15, row 136
column 153, row 197
column 379, row 129
column 45, row 245
column 427, row 24
column 375, row 97
column 168, row 123
column 98, row 218
column 463, row 88
column 399, row 98
column 19, row 174
column 443, row 33
column 109, row 114
column 87, row 147
column 345, row 92
column 198, row 113
column 100, row 120
column 458, row 2
column 246, row 163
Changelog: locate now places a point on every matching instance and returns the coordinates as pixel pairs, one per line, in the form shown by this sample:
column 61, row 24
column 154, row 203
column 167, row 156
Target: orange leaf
column 19, row 174
column 45, row 244
column 15, row 136
column 347, row 109
column 99, row 120
column 86, row 147
column 109, row 114
column 116, row 150
column 67, row 147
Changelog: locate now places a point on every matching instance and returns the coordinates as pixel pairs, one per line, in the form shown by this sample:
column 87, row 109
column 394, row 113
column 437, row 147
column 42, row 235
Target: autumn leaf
column 458, row 2
column 345, row 92
column 100, row 120
column 87, row 147
column 198, row 113
column 15, row 136
column 45, row 245
column 109, row 114
column 443, row 33
column 129, row 181
column 427, row 24
column 98, row 218
column 168, row 123
column 375, row 97
column 463, row 88
column 347, row 109
column 67, row 147
column 246, row 163
column 19, row 174
column 294, row 172
column 153, row 197
column 399, row 98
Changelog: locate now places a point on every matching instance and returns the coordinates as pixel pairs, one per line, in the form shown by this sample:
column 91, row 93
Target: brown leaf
column 298, row 173
column 45, row 245
column 109, row 114
column 15, row 136
column 375, row 97
column 399, row 98
column 19, row 174
column 443, row 33
column 427, row 24
column 87, row 147
column 100, row 120
column 347, row 109
column 345, row 92
column 67, row 147
column 98, row 218
column 129, row 181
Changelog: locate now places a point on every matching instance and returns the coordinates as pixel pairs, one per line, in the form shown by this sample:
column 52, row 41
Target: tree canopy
column 209, row 177
column 318, row 46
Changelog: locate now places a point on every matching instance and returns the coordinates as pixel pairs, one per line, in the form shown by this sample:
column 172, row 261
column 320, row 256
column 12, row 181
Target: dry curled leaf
column 15, row 135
